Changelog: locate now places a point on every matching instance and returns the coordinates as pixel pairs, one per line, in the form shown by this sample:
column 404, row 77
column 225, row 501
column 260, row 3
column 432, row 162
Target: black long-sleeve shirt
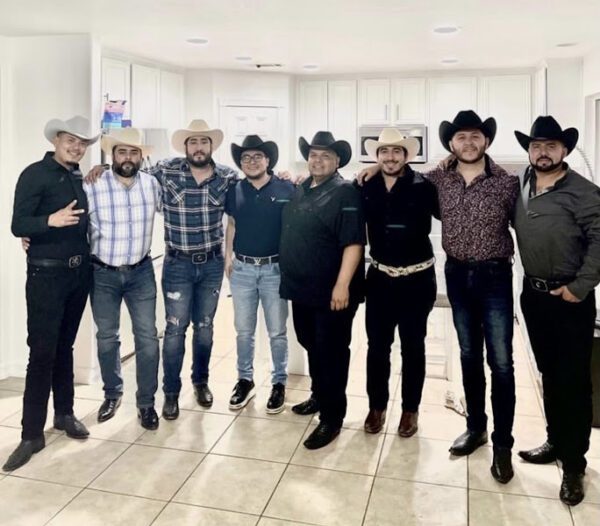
column 43, row 188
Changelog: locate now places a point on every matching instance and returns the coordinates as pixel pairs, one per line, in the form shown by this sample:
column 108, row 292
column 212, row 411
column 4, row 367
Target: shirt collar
column 51, row 162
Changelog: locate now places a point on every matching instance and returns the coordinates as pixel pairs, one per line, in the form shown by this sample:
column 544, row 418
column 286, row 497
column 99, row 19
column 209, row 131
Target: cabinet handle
column 386, row 112
column 397, row 112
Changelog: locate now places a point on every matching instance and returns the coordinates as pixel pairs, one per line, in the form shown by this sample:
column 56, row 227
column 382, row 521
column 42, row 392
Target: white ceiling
column 341, row 36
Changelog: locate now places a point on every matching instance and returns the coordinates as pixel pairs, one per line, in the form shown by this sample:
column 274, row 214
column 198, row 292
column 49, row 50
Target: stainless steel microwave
column 418, row 131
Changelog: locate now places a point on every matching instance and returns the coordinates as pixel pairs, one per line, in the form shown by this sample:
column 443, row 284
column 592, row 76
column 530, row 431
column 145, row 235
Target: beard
column 201, row 163
column 473, row 160
column 546, row 168
column 396, row 173
column 127, row 169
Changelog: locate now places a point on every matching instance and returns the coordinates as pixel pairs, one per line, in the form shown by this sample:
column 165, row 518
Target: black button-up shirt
column 399, row 221
column 318, row 223
column 42, row 189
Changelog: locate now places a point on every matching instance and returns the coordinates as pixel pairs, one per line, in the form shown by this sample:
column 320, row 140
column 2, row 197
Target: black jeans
column 326, row 336
column 561, row 336
column 56, row 298
column 404, row 302
column 480, row 294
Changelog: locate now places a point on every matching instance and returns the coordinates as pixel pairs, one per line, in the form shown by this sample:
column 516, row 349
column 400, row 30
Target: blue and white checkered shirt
column 193, row 212
column 121, row 217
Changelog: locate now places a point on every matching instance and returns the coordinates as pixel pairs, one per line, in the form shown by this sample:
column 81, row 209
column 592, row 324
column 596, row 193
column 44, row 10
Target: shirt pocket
column 175, row 192
column 216, row 196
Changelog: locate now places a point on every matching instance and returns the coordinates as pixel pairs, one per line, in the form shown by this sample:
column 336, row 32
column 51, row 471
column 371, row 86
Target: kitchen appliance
column 419, row 131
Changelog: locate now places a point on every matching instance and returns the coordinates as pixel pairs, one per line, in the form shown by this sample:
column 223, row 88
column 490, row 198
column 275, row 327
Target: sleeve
column 435, row 200
column 157, row 171
column 158, row 193
column 513, row 195
column 230, row 201
column 434, row 175
column 350, row 222
column 28, row 195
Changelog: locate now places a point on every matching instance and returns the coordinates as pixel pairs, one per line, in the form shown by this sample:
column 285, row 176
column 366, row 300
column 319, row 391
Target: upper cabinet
column 145, row 97
column 311, row 108
column 409, row 97
column 171, row 100
column 374, row 101
column 116, row 82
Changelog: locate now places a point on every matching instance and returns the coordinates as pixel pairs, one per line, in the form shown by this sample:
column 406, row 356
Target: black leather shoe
column 20, row 456
column 502, row 469
column 308, row 407
column 468, row 442
column 203, row 395
column 321, row 436
column 540, row 455
column 108, row 409
column 571, row 489
column 148, row 418
column 70, row 425
column 171, row 407
column 242, row 393
column 276, row 402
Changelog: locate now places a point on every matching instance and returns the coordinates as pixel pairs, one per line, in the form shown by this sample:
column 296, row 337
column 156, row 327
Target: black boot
column 171, row 407
column 468, row 442
column 540, row 455
column 108, row 409
column 502, row 469
column 148, row 418
column 23, row 453
column 73, row 427
column 571, row 489
column 203, row 395
column 308, row 407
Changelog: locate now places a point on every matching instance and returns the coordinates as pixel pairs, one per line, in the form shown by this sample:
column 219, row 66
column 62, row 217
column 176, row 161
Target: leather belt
column 195, row 257
column 396, row 272
column 267, row 260
column 72, row 262
column 120, row 268
column 470, row 262
column 544, row 285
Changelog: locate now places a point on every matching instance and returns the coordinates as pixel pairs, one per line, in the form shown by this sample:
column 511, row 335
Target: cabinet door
column 374, row 101
column 408, row 101
column 342, row 111
column 171, row 100
column 116, row 82
column 145, row 97
column 448, row 96
column 312, row 109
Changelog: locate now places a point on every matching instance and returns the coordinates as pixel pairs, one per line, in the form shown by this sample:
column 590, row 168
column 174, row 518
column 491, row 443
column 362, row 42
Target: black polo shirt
column 318, row 223
column 42, row 189
column 257, row 214
column 399, row 221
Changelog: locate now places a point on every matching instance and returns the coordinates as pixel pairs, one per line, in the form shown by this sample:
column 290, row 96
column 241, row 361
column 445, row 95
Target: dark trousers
column 326, row 336
column 480, row 295
column 403, row 302
column 561, row 336
column 56, row 298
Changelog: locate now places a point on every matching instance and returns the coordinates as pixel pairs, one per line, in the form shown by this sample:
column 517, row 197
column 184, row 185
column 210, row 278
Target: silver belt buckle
column 539, row 284
column 199, row 258
column 256, row 261
column 74, row 261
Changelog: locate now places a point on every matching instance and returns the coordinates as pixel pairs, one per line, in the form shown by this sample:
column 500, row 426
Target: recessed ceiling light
column 449, row 61
column 197, row 41
column 243, row 59
column 567, row 44
column 310, row 67
column 446, row 30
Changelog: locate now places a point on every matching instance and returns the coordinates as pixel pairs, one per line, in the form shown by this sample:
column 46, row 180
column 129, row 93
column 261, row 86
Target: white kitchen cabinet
column 145, row 97
column 374, row 101
column 409, row 98
column 341, row 111
column 116, row 82
column 171, row 100
column 311, row 107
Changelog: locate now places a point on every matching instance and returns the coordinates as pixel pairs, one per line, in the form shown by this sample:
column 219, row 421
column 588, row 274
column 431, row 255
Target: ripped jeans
column 191, row 292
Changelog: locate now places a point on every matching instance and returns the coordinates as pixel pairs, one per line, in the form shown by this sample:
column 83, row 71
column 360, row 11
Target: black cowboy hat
column 323, row 140
column 545, row 128
column 254, row 142
column 466, row 120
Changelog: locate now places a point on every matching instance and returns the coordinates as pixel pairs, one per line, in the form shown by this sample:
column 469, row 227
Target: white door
column 408, row 101
column 374, row 101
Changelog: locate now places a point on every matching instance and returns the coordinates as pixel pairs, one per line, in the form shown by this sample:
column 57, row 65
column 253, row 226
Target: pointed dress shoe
column 409, row 424
column 540, row 455
column 468, row 442
column 170, row 409
column 375, row 420
column 71, row 426
column 501, row 468
column 20, row 456
column 148, row 418
column 571, row 489
column 203, row 395
column 308, row 407
column 108, row 409
column 321, row 436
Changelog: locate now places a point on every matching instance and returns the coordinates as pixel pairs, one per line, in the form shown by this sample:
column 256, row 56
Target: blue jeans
column 480, row 294
column 137, row 287
column 191, row 292
column 249, row 284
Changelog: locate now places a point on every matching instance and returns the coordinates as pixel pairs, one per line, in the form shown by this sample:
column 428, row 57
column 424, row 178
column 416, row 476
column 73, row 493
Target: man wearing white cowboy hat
column 50, row 207
column 122, row 205
column 401, row 288
column 557, row 222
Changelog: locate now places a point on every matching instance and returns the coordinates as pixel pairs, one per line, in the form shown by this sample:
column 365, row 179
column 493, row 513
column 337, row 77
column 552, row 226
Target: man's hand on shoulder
column 95, row 173
column 367, row 173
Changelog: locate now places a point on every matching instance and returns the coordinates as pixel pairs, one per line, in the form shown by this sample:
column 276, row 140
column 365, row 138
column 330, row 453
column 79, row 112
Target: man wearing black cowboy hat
column 557, row 221
column 254, row 206
column 322, row 272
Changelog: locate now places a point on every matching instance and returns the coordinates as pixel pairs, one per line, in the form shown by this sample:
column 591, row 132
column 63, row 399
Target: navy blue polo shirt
column 257, row 214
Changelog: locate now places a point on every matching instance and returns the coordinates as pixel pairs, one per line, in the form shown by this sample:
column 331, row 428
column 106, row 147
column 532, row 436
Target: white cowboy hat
column 392, row 137
column 125, row 137
column 78, row 126
column 196, row 128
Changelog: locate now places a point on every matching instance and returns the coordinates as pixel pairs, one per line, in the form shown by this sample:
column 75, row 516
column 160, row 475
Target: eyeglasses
column 257, row 157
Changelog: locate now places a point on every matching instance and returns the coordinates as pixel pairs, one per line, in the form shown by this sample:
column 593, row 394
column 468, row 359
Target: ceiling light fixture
column 197, row 41
column 446, row 30
column 567, row 44
column 449, row 61
column 243, row 59
column 310, row 67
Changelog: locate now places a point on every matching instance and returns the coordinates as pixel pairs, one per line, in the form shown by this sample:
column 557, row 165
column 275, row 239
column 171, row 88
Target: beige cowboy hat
column 125, row 137
column 196, row 128
column 392, row 137
column 78, row 126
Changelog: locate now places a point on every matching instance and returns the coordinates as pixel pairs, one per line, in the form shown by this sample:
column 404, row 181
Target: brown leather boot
column 408, row 424
column 375, row 420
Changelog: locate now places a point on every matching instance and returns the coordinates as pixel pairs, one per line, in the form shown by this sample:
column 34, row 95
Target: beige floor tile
column 586, row 514
column 257, row 407
column 496, row 509
column 530, row 479
column 232, row 484
column 265, row 521
column 528, row 431
column 151, row 472
column 10, row 438
column 184, row 515
column 10, row 403
column 192, row 431
column 13, row 383
column 421, row 460
column 72, row 462
column 594, row 451
column 123, row 427
column 527, row 402
column 356, row 412
column 320, row 496
column 414, row 503
column 97, row 508
column 434, row 391
column 89, row 391
column 295, row 381
column 353, row 451
column 435, row 421
column 221, row 393
column 261, row 439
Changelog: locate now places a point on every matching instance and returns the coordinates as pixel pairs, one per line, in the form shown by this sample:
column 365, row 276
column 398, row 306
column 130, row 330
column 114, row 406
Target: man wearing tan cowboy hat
column 122, row 205
column 557, row 222
column 322, row 273
column 401, row 286
column 50, row 207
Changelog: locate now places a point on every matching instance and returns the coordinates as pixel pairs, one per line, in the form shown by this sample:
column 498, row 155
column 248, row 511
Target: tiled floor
column 217, row 467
